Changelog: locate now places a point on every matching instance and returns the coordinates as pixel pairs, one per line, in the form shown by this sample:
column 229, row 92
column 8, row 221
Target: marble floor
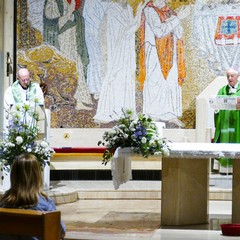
column 137, row 219
column 94, row 210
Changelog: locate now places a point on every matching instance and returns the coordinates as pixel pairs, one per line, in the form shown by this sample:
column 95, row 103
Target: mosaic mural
column 95, row 57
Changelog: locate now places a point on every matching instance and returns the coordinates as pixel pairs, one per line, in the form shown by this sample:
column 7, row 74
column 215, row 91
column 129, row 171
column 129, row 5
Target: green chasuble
column 31, row 93
column 227, row 124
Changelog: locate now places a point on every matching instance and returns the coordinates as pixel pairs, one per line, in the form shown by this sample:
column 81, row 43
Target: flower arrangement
column 21, row 136
column 140, row 133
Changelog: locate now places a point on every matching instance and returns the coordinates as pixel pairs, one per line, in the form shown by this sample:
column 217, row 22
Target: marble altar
column 185, row 183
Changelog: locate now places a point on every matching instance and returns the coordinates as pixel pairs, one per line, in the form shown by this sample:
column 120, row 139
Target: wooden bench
column 22, row 222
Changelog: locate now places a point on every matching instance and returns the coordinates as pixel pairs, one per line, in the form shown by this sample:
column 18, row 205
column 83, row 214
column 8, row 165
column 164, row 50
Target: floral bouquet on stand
column 140, row 133
column 21, row 136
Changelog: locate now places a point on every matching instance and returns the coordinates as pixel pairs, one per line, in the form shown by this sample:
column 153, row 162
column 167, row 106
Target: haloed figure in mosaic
column 162, row 62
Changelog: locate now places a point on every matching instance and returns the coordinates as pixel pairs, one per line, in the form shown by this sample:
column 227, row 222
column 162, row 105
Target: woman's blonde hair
column 26, row 183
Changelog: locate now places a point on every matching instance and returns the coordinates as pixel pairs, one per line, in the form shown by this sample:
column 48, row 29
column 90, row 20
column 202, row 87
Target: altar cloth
column 121, row 161
column 203, row 150
column 121, row 166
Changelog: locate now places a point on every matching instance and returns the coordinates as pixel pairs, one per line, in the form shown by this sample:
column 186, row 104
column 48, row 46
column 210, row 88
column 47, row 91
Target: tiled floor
column 133, row 212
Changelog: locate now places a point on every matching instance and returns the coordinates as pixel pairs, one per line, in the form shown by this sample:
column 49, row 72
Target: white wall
column 89, row 137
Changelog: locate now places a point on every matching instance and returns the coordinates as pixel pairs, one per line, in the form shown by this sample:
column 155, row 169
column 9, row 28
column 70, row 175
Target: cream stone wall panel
column 85, row 137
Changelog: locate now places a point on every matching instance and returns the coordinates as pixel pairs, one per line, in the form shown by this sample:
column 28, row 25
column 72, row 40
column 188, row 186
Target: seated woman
column 26, row 189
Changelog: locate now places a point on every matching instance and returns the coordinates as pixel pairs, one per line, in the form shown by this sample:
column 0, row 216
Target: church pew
column 22, row 222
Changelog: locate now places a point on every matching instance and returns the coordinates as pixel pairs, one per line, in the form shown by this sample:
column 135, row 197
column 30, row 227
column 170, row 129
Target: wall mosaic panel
column 96, row 57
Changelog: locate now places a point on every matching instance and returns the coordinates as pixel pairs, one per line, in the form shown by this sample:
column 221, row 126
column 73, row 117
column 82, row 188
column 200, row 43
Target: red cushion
column 80, row 150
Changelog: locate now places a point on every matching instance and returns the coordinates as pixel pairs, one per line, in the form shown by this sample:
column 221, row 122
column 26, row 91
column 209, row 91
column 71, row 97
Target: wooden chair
column 22, row 222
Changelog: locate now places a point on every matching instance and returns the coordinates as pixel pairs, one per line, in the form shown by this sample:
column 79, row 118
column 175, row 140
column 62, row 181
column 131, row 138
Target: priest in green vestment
column 227, row 122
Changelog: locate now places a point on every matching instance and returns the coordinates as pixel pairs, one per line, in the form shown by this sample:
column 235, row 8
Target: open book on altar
column 224, row 102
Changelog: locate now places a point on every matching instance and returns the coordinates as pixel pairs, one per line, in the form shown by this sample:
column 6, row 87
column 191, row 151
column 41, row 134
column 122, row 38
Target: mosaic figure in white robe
column 118, row 88
column 93, row 13
column 35, row 14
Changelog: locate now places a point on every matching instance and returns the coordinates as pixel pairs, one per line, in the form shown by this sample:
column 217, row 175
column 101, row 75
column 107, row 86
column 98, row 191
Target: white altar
column 185, row 174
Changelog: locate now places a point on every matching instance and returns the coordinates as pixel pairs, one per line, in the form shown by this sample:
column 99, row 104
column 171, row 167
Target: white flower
column 9, row 144
column 19, row 140
column 44, row 144
column 112, row 132
column 125, row 136
column 166, row 151
column 122, row 126
column 135, row 121
column 144, row 140
column 152, row 142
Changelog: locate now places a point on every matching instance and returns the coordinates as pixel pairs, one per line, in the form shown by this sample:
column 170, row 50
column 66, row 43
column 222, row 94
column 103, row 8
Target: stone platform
column 71, row 191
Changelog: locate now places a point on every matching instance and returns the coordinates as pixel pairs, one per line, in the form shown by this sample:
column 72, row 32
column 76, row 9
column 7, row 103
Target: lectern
column 44, row 133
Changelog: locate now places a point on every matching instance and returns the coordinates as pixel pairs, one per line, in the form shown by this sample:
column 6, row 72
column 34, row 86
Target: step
column 71, row 191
